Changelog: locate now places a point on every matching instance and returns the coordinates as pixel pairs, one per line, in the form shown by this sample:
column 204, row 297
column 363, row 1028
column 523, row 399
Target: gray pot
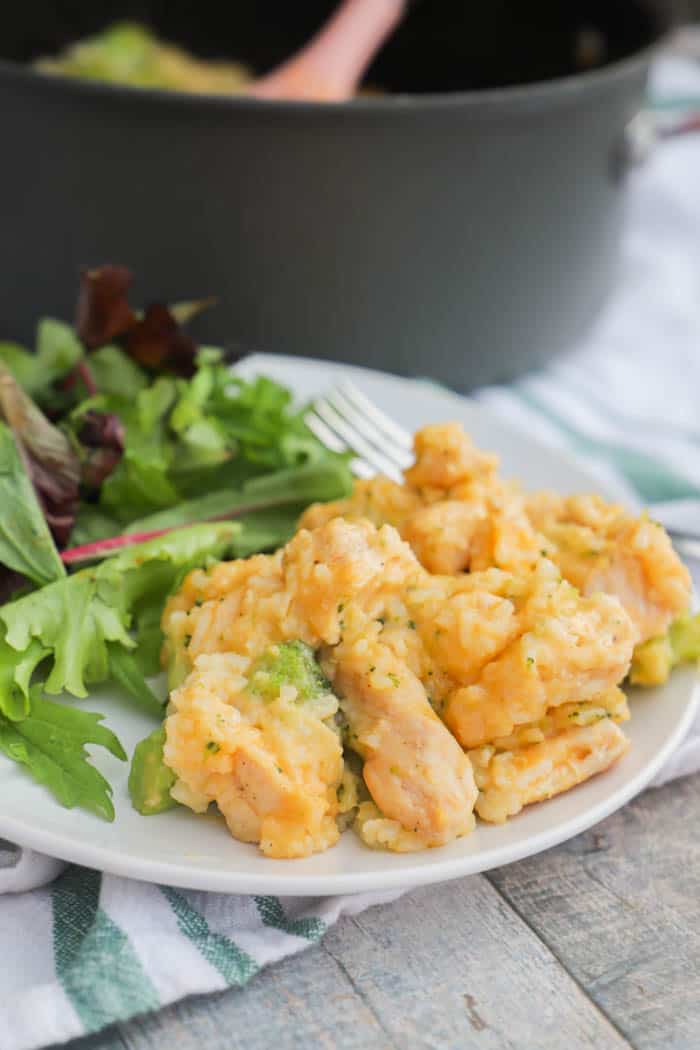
column 465, row 235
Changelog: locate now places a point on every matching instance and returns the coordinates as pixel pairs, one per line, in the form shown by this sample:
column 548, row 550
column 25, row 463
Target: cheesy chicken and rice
column 417, row 654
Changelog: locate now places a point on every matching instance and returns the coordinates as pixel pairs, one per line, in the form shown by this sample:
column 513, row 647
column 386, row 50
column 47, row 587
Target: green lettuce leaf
column 58, row 350
column 259, row 419
column 50, row 743
column 141, row 480
column 26, row 544
column 46, row 453
column 76, row 618
column 22, row 364
column 15, row 675
column 149, row 637
column 76, row 631
column 73, row 620
column 230, row 430
column 266, row 530
column 92, row 524
column 295, row 486
column 126, row 672
column 116, row 374
column 189, row 439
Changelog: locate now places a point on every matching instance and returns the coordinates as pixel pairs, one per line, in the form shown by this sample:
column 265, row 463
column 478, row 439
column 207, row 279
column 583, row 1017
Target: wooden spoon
column 330, row 67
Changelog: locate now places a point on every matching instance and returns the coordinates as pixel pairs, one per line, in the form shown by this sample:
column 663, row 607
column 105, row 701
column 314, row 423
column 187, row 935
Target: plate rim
column 233, row 881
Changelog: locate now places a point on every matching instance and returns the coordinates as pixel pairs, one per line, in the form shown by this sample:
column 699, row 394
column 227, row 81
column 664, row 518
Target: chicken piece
column 567, row 648
column 481, row 634
column 512, row 779
column 453, row 509
column 446, row 456
column 233, row 607
column 600, row 547
column 496, row 653
column 379, row 500
column 241, row 606
column 419, row 778
column 506, row 537
column 272, row 765
column 470, row 629
column 336, row 564
column 240, row 609
column 458, row 515
column 441, row 535
column 610, row 704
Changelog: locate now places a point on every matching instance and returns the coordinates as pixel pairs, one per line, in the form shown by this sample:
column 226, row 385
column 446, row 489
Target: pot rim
column 514, row 95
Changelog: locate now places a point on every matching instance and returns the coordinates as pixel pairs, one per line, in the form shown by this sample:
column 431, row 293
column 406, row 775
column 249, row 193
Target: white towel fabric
column 100, row 948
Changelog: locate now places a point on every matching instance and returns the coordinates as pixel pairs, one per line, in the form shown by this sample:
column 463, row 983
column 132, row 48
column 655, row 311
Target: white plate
column 181, row 849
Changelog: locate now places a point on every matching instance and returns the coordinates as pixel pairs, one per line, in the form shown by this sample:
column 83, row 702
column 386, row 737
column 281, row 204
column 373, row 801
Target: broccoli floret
column 684, row 635
column 654, row 660
column 150, row 779
column 289, row 663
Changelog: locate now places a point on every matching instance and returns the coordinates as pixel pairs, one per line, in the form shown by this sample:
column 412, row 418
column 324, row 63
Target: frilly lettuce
column 77, row 631
column 50, row 744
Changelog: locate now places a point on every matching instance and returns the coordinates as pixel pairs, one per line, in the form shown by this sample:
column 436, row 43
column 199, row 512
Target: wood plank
column 109, row 1039
column 451, row 966
column 620, row 907
column 301, row 1003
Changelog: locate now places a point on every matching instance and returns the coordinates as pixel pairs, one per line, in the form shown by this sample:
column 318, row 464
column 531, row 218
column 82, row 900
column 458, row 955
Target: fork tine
column 355, row 441
column 325, row 435
column 367, row 427
column 384, row 423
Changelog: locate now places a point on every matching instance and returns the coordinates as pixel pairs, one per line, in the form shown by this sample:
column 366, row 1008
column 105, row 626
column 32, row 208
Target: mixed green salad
column 128, row 456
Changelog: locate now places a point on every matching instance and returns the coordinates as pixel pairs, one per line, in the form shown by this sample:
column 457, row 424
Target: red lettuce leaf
column 101, row 438
column 158, row 342
column 155, row 340
column 103, row 312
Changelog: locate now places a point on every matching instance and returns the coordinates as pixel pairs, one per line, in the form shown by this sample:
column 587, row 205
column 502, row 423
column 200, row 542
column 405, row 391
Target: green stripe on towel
column 95, row 963
column 654, row 481
column 234, row 965
column 272, row 914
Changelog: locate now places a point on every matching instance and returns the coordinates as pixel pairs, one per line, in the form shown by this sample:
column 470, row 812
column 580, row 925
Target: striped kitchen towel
column 87, row 950
column 91, row 949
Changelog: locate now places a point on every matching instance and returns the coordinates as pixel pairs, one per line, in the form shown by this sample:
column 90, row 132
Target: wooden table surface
column 594, row 944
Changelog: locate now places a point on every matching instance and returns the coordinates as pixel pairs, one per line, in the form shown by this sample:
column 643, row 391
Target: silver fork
column 347, row 420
